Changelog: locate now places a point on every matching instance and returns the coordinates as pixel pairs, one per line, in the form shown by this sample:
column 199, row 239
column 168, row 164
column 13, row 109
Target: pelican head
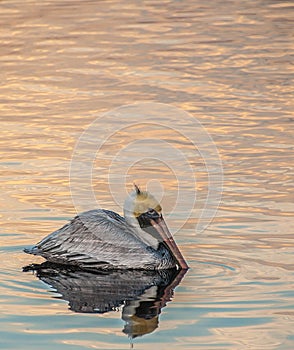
column 144, row 214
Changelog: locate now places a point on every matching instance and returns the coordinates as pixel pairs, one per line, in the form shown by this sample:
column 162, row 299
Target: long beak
column 167, row 237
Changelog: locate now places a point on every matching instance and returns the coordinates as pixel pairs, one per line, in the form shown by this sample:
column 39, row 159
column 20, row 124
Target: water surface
column 228, row 64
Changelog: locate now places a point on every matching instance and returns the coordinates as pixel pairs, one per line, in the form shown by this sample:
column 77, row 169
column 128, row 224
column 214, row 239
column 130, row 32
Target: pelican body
column 102, row 239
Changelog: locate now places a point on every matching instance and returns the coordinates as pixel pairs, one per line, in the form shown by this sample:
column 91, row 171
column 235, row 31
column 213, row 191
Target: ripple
column 210, row 269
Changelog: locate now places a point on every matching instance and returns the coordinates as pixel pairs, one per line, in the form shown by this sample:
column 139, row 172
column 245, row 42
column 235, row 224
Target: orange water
column 228, row 64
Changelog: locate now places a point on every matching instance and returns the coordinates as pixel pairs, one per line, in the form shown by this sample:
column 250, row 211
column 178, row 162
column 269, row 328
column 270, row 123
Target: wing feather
column 97, row 239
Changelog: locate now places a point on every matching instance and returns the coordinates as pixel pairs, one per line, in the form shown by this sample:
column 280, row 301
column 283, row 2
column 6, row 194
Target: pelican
column 102, row 239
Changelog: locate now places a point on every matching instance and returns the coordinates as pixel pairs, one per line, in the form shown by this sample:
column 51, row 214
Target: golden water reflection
column 227, row 63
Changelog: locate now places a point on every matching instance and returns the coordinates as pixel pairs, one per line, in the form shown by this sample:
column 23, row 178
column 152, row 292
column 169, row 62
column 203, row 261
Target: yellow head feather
column 143, row 202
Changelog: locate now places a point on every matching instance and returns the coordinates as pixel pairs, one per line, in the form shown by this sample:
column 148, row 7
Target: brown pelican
column 102, row 239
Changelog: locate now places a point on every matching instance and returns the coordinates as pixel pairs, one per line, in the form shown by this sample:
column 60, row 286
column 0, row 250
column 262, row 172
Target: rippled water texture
column 226, row 63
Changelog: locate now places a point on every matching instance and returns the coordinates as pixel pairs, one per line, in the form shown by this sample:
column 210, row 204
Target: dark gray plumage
column 101, row 239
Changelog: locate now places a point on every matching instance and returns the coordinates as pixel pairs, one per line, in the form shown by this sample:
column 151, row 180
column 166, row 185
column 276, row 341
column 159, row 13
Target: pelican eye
column 153, row 214
column 145, row 218
column 152, row 211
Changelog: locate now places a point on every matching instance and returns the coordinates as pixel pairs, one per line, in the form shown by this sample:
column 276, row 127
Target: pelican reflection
column 141, row 293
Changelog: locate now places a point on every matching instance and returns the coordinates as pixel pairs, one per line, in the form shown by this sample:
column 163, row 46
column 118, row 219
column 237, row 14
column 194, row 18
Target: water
column 226, row 63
